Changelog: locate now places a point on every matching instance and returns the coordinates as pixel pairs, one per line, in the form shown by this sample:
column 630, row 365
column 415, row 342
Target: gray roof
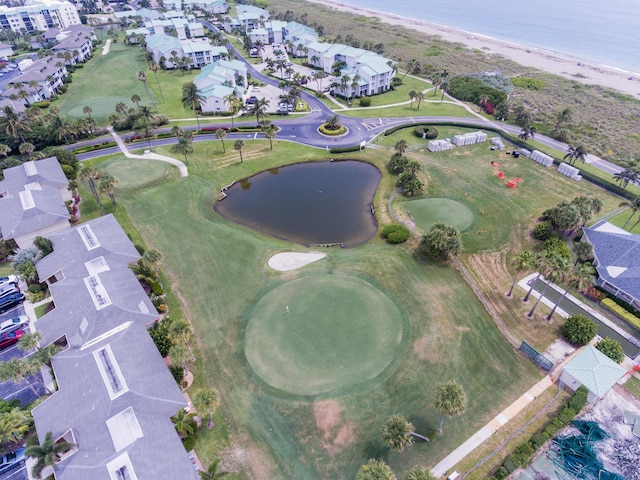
column 31, row 210
column 106, row 425
column 617, row 255
column 101, row 237
column 89, row 307
column 595, row 370
column 45, row 172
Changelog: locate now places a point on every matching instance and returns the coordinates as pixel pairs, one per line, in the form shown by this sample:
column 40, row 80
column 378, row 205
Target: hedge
column 325, row 131
column 523, row 453
column 354, row 148
column 622, row 312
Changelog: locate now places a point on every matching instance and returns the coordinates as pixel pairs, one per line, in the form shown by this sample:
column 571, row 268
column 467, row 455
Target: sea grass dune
column 574, row 69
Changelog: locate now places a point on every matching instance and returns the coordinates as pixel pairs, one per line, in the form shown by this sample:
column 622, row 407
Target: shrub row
column 97, row 146
column 353, row 148
column 622, row 312
column 522, row 455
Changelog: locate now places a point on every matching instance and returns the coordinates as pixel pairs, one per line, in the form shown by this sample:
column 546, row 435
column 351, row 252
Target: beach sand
column 551, row 62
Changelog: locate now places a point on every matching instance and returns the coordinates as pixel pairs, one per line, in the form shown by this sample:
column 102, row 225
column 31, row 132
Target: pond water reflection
column 308, row 203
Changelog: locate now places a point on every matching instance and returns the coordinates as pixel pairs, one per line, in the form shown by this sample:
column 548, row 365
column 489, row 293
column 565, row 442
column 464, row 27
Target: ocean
column 593, row 31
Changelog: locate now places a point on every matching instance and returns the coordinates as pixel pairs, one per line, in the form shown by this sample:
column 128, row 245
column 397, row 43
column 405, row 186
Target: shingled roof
column 617, row 254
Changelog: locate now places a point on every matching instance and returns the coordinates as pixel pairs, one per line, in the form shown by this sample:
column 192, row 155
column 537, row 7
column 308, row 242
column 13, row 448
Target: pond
column 314, row 203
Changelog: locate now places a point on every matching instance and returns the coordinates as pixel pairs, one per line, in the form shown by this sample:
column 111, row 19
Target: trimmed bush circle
column 426, row 132
column 396, row 233
column 326, row 131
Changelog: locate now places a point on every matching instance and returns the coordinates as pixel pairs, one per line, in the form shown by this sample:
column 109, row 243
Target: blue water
column 604, row 32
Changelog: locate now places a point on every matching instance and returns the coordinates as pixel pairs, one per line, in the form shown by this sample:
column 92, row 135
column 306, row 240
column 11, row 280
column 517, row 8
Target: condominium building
column 39, row 16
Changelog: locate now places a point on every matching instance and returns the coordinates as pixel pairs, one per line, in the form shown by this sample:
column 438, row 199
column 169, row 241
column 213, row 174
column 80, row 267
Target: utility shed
column 594, row 370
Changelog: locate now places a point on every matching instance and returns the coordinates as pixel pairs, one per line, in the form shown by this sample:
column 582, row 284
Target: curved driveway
column 303, row 129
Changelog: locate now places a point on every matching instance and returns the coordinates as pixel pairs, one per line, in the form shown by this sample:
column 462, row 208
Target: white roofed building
column 38, row 16
column 219, row 80
column 200, row 51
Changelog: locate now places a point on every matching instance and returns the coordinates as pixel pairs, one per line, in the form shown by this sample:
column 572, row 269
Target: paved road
column 303, row 129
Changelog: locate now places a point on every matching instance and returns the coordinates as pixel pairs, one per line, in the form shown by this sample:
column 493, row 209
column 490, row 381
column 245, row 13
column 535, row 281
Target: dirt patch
column 337, row 432
column 428, row 348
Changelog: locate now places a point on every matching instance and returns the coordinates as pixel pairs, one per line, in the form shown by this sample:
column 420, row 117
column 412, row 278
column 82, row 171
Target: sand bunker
column 286, row 261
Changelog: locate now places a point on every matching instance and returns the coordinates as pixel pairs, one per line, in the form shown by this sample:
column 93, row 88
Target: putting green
column 321, row 333
column 427, row 211
column 133, row 173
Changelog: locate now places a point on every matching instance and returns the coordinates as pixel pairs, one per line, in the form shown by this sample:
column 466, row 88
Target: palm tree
column 144, row 123
column 87, row 110
column 450, row 399
column 184, row 423
column 239, row 145
column 192, row 98
column 261, row 106
column 91, row 175
column 419, row 97
column 207, row 402
column 375, row 470
column 412, row 96
column 154, row 67
column 107, row 183
column 184, row 146
column 14, row 425
column 333, row 122
column 154, row 258
column 527, row 132
column 34, row 85
column 16, row 370
column 568, row 278
column 633, row 204
column 583, row 277
column 13, row 123
column 212, row 472
column 270, row 132
column 419, row 473
column 624, row 177
column 221, row 134
column 30, row 341
column 583, row 251
column 522, row 262
column 563, row 117
column 135, row 98
column 575, row 153
column 5, row 150
column 399, row 433
column 556, row 268
column 47, row 454
column 401, row 146
column 179, row 353
column 444, row 88
column 142, row 76
column 26, row 149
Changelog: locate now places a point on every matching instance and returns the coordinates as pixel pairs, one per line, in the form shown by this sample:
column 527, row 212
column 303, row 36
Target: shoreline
column 565, row 66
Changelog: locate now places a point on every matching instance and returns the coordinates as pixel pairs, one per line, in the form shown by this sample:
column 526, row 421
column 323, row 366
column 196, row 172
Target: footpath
column 148, row 155
column 446, row 464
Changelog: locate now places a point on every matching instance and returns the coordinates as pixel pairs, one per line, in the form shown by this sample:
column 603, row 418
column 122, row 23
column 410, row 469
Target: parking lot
column 20, row 390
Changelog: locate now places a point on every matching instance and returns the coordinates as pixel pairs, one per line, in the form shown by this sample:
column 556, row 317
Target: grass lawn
column 633, row 386
column 105, row 81
column 296, row 421
column 6, row 269
column 427, row 211
column 221, row 278
column 444, row 109
column 41, row 309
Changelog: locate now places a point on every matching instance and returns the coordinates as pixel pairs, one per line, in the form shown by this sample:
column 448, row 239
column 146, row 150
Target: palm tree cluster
column 100, row 183
column 627, row 176
column 33, row 127
column 406, row 169
column 185, row 142
column 567, row 217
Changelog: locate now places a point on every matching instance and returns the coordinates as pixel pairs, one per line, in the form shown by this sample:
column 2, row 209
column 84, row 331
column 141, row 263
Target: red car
column 10, row 338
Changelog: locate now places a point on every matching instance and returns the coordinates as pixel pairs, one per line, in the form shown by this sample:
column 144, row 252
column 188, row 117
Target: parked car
column 9, row 338
column 12, row 459
column 251, row 100
column 14, row 323
column 9, row 279
column 8, row 289
column 9, row 301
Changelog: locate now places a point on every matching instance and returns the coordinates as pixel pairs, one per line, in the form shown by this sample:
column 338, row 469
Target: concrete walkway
column 491, row 428
column 148, row 156
column 107, row 47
